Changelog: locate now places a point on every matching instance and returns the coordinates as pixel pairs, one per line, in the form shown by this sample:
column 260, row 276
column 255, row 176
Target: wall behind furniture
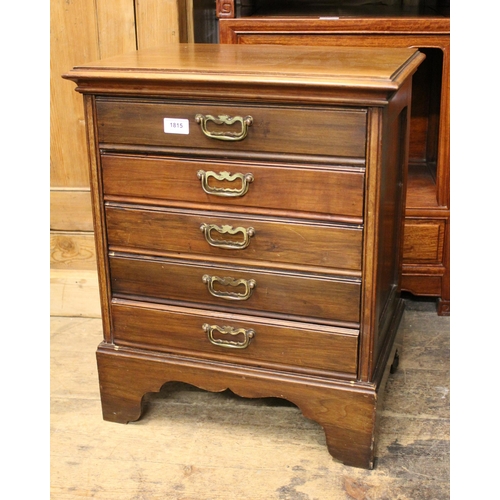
column 82, row 31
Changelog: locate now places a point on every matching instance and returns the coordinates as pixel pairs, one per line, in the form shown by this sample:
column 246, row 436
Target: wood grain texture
column 74, row 293
column 188, row 12
column 169, row 181
column 315, row 109
column 395, row 25
column 281, row 130
column 347, row 416
column 298, row 244
column 158, row 23
column 70, row 210
column 421, row 196
column 367, row 68
column 98, row 215
column 422, row 282
column 424, row 241
column 116, row 27
column 326, row 298
column 273, row 344
column 80, row 32
column 68, row 153
column 187, row 436
column 72, row 250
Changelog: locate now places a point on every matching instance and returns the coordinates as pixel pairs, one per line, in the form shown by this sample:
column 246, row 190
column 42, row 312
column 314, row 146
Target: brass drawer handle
column 210, row 281
column 221, row 243
column 248, row 335
column 245, row 179
column 224, row 120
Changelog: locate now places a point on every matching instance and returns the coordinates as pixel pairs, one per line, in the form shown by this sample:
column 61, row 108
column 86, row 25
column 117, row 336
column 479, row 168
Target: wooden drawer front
column 285, row 188
column 175, row 329
column 202, row 233
column 330, row 132
column 423, row 241
column 323, row 298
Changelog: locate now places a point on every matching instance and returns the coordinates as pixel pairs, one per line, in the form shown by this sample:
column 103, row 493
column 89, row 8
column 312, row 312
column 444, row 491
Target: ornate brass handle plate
column 248, row 335
column 229, row 230
column 211, row 281
column 245, row 179
column 224, row 120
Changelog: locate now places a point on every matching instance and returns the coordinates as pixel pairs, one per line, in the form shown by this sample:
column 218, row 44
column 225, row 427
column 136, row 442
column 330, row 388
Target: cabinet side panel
column 393, row 182
column 387, row 161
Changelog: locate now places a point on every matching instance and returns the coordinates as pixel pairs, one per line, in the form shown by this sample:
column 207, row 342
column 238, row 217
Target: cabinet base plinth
column 346, row 411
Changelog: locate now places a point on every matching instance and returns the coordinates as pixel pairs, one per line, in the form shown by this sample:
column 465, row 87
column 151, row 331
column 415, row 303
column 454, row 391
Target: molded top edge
column 366, row 67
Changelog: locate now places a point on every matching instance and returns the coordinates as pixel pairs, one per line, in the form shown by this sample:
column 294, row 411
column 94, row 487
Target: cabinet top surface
column 377, row 68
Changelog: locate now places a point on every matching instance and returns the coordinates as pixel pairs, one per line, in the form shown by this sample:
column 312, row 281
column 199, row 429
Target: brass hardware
column 233, row 245
column 210, row 281
column 248, row 335
column 245, row 179
column 224, row 120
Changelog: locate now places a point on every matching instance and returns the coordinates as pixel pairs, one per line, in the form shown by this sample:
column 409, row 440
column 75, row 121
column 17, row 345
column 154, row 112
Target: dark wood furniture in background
column 248, row 218
column 426, row 26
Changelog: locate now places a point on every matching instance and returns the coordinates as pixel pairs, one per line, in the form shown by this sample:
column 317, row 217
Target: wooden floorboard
column 195, row 445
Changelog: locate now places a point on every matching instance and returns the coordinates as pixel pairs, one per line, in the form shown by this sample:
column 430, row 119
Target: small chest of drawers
column 248, row 224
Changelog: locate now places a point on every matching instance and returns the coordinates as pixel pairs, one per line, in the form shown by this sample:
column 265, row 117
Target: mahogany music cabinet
column 248, row 223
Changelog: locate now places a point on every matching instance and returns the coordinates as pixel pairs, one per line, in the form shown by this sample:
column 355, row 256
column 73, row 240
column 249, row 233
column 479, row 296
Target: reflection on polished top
column 365, row 67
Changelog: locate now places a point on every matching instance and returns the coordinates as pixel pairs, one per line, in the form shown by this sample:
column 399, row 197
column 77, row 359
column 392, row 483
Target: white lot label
column 175, row 126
